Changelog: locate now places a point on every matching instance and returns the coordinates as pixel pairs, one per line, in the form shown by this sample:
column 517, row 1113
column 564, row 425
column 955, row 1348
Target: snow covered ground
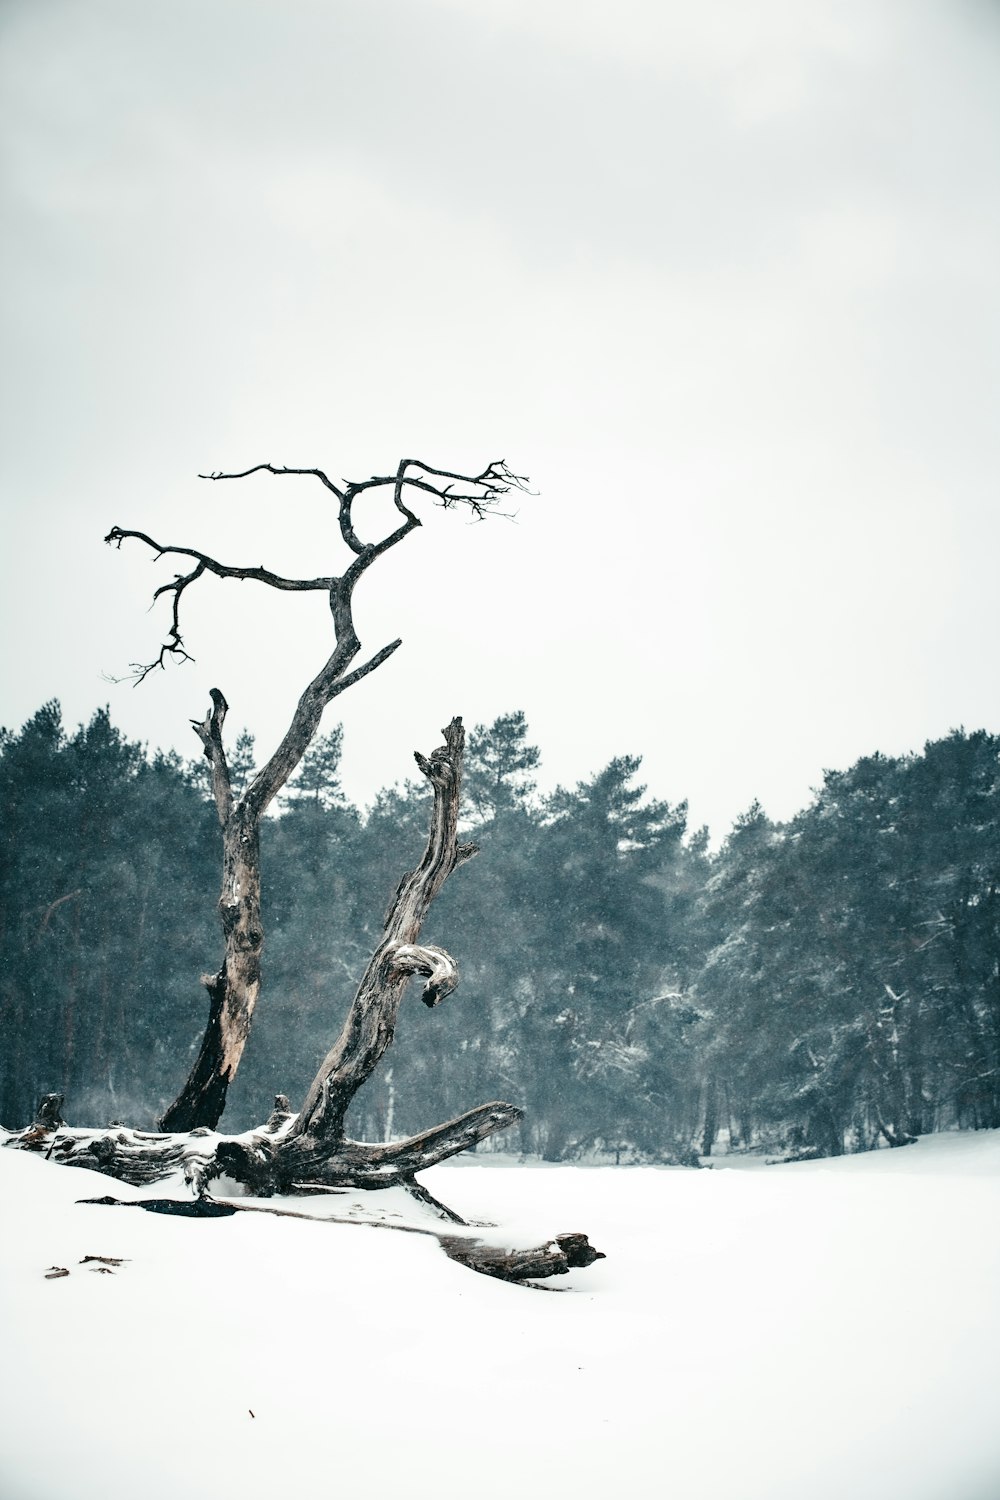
column 810, row 1332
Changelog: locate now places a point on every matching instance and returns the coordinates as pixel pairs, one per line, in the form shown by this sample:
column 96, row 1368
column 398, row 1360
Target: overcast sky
column 722, row 278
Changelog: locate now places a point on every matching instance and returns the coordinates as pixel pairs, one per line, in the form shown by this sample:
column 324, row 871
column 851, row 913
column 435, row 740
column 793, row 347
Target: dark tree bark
column 234, row 989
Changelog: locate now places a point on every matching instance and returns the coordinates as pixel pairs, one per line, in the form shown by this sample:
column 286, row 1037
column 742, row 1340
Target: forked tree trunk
column 308, row 1150
column 312, row 1148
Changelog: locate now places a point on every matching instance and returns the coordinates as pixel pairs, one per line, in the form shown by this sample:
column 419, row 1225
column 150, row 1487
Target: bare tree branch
column 274, row 469
column 209, row 564
column 174, row 646
column 480, row 493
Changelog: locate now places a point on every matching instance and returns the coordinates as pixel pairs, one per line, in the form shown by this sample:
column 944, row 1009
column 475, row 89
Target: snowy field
column 826, row 1331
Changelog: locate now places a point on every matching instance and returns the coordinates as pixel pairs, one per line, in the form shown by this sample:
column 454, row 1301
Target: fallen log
column 558, row 1256
column 265, row 1161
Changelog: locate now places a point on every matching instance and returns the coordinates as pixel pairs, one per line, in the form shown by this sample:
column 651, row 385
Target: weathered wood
column 420, row 1195
column 308, row 1152
column 279, row 1116
column 562, row 1254
column 370, row 1024
column 127, row 1155
column 289, row 1153
column 234, row 989
column 49, row 1113
column 255, row 1159
column 39, row 1135
column 330, row 1161
column 263, row 1161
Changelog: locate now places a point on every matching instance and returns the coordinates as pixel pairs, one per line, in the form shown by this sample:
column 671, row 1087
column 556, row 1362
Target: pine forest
column 827, row 985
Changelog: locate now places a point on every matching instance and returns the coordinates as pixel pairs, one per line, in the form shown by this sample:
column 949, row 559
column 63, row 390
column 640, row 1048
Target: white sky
column 721, row 278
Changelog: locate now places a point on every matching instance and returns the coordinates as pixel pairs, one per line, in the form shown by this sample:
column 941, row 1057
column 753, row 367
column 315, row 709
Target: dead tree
column 234, row 987
column 309, row 1152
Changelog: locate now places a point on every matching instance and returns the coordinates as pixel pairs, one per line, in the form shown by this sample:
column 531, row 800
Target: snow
column 807, row 1332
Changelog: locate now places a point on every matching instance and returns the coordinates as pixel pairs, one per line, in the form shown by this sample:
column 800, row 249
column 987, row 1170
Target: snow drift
column 821, row 1330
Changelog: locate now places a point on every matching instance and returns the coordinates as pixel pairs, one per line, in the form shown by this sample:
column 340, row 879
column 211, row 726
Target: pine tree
column 499, row 767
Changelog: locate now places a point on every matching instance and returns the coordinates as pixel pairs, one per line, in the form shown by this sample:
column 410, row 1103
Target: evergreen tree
column 101, row 850
column 499, row 767
column 827, row 985
column 317, row 779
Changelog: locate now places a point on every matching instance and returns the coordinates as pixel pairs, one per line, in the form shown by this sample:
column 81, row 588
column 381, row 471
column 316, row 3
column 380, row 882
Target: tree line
column 808, row 988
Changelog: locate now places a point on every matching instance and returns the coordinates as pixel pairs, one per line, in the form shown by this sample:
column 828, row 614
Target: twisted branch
column 370, row 1024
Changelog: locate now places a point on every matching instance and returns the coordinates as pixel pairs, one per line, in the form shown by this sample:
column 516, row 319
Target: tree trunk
column 710, row 1126
column 233, row 991
column 309, row 1150
column 370, row 1025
